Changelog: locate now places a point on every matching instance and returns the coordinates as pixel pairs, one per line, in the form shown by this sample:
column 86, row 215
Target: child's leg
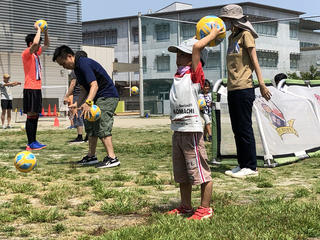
column 185, row 193
column 3, row 115
column 9, row 116
column 206, row 194
column 208, row 129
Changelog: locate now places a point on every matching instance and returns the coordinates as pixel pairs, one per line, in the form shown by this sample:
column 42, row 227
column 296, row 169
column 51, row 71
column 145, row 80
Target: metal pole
column 129, row 55
column 141, row 99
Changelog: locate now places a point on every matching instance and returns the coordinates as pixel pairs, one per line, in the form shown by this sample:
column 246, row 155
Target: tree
column 313, row 74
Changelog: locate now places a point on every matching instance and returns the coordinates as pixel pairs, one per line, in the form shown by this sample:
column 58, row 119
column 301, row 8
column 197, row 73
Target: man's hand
column 73, row 109
column 265, row 92
column 66, row 100
column 85, row 110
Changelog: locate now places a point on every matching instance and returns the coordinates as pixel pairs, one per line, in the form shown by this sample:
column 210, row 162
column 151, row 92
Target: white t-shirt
column 6, row 93
column 184, row 110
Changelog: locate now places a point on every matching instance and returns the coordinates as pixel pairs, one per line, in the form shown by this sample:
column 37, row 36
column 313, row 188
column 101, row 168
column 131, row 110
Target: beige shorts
column 206, row 117
column 189, row 158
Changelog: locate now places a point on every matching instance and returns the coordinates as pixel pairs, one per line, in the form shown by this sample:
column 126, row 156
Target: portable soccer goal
column 286, row 128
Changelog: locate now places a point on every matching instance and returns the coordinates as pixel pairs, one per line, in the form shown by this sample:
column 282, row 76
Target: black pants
column 240, row 104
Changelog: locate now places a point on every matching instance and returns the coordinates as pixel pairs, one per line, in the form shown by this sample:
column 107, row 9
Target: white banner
column 312, row 94
column 288, row 123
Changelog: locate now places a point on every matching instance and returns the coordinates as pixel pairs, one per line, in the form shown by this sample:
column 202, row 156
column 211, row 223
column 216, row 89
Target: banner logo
column 317, row 97
column 276, row 117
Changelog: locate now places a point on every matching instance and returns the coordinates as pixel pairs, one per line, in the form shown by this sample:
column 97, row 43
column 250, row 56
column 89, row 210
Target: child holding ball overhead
column 32, row 97
column 188, row 151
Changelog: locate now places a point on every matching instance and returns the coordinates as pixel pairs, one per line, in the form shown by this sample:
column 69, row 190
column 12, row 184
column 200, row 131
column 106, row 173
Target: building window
column 308, row 44
column 99, row 38
column 293, row 30
column 163, row 63
column 267, row 59
column 111, row 36
column 188, row 31
column 135, row 34
column 268, row 29
column 294, row 58
column 213, row 60
column 163, row 32
column 144, row 63
column 87, row 38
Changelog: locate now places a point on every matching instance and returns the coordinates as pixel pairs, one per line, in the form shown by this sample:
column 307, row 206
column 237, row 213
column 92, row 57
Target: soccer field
column 60, row 200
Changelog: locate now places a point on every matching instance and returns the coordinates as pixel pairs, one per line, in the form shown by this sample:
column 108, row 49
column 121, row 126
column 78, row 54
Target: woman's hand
column 265, row 92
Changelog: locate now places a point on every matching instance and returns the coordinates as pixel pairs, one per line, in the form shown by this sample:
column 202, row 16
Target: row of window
column 163, row 62
column 162, row 31
column 266, row 59
column 308, row 44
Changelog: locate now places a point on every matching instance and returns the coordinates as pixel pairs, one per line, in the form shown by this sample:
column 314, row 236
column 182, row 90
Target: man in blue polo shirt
column 96, row 88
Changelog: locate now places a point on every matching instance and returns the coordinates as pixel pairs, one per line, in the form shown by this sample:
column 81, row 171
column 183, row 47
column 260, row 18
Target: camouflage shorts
column 103, row 126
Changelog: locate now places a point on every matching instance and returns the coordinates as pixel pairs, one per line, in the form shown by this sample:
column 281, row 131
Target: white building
column 278, row 45
column 17, row 19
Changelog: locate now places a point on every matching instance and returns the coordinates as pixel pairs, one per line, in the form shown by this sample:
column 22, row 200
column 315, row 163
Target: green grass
column 60, row 200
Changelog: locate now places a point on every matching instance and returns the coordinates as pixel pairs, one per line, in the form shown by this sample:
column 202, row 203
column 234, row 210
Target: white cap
column 186, row 46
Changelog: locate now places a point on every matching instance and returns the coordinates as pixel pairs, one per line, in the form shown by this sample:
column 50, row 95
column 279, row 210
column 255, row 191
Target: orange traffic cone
column 56, row 122
column 42, row 112
column 49, row 111
column 55, row 110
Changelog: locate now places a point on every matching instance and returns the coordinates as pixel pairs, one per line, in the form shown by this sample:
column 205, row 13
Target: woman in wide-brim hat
column 241, row 62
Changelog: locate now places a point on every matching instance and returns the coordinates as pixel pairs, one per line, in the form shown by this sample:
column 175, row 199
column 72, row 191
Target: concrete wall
column 103, row 55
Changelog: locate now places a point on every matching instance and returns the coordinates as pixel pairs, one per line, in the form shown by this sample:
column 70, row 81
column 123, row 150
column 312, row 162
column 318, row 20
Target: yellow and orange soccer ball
column 25, row 161
column 134, row 90
column 204, row 27
column 202, row 103
column 94, row 114
column 42, row 24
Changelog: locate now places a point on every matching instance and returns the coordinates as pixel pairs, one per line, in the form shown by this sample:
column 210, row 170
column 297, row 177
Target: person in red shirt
column 32, row 97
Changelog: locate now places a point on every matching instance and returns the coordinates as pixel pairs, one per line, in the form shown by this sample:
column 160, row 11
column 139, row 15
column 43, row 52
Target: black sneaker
column 86, row 160
column 108, row 162
column 77, row 140
column 86, row 138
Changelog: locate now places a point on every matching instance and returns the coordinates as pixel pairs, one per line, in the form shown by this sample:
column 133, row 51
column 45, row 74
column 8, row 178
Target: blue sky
column 101, row 9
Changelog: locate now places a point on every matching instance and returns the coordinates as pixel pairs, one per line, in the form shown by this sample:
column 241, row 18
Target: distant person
column 96, row 88
column 32, row 97
column 278, row 78
column 207, row 110
column 188, row 150
column 6, row 99
column 75, row 118
column 241, row 62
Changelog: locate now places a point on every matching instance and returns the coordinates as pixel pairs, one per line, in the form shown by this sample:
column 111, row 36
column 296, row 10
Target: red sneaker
column 181, row 210
column 202, row 213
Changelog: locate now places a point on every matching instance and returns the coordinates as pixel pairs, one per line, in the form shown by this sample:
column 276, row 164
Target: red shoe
column 28, row 148
column 202, row 213
column 181, row 210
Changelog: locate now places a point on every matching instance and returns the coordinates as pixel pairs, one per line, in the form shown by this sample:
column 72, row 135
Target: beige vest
column 239, row 63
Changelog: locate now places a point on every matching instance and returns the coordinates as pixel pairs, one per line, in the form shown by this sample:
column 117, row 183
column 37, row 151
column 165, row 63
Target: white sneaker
column 232, row 171
column 245, row 172
column 3, row 127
